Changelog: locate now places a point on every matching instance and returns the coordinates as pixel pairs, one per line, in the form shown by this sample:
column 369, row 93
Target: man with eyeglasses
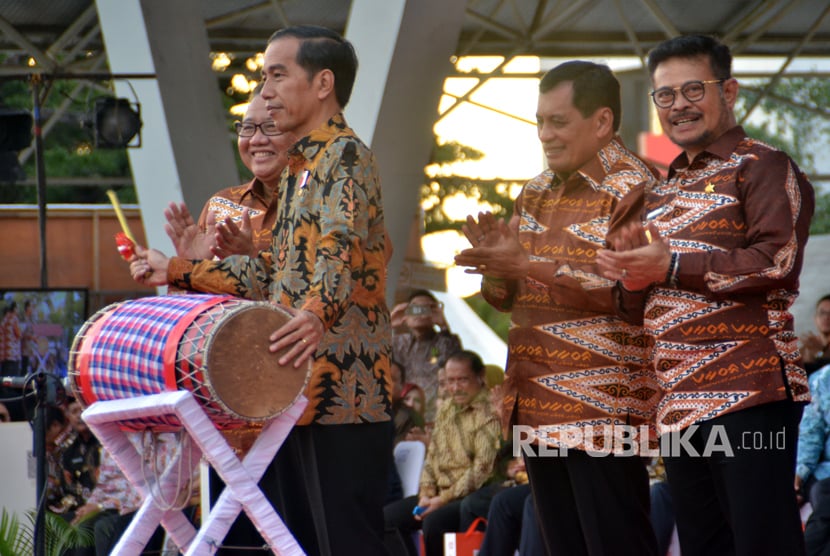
column 425, row 345
column 712, row 278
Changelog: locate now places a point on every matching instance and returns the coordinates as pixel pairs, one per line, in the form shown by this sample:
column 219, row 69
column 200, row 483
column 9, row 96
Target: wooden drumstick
column 125, row 227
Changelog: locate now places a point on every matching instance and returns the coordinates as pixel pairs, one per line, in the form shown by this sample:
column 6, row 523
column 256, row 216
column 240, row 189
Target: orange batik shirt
column 575, row 372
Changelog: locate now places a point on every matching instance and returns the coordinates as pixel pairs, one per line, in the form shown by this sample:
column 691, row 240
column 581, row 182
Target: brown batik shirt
column 232, row 201
column 739, row 218
column 575, row 371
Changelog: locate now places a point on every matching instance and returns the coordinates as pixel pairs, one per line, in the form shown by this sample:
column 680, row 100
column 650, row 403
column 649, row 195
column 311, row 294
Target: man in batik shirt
column 327, row 265
column 575, row 372
column 713, row 281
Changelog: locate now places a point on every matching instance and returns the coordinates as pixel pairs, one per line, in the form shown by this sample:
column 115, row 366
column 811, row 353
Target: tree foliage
column 792, row 118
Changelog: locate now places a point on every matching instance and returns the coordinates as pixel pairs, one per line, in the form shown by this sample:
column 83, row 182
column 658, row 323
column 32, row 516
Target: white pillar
column 404, row 49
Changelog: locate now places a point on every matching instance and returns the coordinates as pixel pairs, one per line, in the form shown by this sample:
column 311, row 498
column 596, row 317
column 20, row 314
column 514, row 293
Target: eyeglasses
column 248, row 129
column 693, row 91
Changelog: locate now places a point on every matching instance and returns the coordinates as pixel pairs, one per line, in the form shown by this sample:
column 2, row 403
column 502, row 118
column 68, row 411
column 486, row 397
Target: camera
column 415, row 310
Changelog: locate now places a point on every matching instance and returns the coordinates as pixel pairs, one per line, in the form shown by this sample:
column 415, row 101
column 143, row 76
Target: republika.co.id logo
column 627, row 440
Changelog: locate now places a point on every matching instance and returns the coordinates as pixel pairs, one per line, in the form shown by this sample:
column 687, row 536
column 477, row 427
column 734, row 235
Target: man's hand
column 496, row 250
column 398, row 314
column 231, row 239
column 431, row 504
column 634, row 261
column 149, row 267
column 301, row 335
column 190, row 241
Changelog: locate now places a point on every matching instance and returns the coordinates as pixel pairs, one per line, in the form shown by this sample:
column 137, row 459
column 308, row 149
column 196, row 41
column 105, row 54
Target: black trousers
column 597, row 506
column 817, row 528
column 398, row 515
column 741, row 500
column 341, row 505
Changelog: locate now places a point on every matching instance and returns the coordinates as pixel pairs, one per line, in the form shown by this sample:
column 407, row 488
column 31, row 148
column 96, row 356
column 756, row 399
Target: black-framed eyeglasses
column 248, row 129
column 693, row 91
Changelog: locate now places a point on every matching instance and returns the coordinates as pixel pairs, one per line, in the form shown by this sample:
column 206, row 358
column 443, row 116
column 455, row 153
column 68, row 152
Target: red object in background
column 658, row 149
column 126, row 247
column 466, row 543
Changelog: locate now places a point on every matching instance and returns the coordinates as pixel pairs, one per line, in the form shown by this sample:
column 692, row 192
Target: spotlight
column 117, row 122
column 15, row 129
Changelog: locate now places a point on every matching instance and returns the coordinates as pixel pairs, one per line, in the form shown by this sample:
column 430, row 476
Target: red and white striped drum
column 214, row 346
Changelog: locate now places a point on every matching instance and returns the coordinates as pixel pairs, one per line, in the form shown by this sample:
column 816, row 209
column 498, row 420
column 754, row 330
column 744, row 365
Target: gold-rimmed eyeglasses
column 693, row 91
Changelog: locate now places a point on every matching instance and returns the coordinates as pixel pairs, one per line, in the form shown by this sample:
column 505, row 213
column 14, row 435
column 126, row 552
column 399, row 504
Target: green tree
column 792, row 117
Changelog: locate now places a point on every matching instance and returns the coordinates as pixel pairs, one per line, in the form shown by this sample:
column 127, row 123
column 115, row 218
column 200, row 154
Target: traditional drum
column 214, row 346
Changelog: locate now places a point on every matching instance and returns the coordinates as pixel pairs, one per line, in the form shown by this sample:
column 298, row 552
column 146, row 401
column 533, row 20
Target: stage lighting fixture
column 117, row 122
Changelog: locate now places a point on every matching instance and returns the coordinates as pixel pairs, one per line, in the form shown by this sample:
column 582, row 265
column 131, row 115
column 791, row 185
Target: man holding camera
column 427, row 344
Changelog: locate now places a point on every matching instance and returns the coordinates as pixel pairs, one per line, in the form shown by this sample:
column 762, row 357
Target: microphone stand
column 45, row 396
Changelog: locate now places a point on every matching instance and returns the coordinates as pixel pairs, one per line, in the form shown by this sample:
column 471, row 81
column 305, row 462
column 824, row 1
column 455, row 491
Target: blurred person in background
column 424, row 345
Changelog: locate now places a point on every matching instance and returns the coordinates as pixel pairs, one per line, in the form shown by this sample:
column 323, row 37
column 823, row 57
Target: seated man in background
column 460, row 457
column 112, row 505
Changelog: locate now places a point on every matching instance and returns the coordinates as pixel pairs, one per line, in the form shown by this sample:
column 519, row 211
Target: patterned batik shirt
column 232, row 201
column 422, row 359
column 327, row 257
column 115, row 492
column 10, row 349
column 738, row 216
column 575, row 371
column 462, row 449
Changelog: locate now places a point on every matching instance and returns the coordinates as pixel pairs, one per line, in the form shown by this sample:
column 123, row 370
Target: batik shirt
column 462, row 449
column 326, row 257
column 232, row 201
column 11, row 335
column 574, row 369
column 422, row 359
column 115, row 492
column 739, row 216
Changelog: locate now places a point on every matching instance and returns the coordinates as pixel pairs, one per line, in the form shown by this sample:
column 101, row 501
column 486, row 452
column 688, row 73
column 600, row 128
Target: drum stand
column 241, row 477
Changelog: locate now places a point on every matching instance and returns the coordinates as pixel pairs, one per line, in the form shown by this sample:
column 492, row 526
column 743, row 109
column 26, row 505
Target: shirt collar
column 595, row 170
column 310, row 145
column 722, row 147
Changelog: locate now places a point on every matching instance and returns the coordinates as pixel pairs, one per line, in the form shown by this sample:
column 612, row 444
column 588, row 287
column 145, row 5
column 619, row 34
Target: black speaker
column 15, row 129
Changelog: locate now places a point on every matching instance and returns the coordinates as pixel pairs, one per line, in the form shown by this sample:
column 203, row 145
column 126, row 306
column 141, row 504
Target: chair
column 409, row 460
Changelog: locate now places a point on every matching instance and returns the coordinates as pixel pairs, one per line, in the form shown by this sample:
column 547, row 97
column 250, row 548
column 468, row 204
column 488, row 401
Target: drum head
column 244, row 375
